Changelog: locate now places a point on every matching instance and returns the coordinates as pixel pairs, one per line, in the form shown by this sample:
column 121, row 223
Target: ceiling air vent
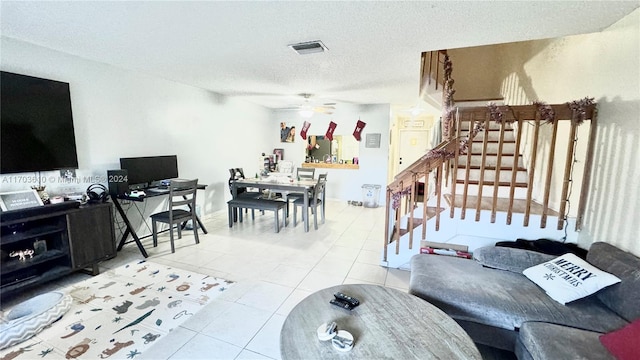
column 309, row 47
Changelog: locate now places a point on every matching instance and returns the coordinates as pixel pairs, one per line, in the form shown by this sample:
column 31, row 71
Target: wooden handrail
column 401, row 192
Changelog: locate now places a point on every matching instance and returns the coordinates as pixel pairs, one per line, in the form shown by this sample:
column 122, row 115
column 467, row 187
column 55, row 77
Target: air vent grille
column 308, row 47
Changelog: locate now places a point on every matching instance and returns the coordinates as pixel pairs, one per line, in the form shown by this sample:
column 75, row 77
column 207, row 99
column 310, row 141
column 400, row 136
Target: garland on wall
column 447, row 101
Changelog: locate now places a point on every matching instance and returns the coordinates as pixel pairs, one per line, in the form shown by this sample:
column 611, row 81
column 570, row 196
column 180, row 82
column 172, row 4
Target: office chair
column 316, row 199
column 181, row 193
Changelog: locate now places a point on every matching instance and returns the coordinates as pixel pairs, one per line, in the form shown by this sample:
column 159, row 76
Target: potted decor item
column 42, row 193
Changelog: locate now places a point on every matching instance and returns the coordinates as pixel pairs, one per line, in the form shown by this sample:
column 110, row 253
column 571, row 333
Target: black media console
column 43, row 243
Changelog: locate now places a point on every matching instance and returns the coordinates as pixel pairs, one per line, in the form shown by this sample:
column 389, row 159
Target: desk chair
column 316, row 199
column 181, row 192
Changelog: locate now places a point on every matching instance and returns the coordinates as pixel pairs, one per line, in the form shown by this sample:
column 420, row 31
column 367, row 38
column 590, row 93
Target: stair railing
column 537, row 143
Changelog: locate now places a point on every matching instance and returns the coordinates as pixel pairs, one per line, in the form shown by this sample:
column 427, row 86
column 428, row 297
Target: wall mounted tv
column 149, row 169
column 36, row 125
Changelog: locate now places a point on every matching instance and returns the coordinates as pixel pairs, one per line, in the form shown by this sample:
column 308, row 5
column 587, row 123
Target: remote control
column 351, row 300
column 341, row 303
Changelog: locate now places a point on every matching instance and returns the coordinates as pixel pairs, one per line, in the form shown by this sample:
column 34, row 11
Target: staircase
column 473, row 170
column 498, row 171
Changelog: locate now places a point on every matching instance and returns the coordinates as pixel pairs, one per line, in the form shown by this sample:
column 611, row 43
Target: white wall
column 343, row 184
column 605, row 66
column 120, row 113
column 474, row 72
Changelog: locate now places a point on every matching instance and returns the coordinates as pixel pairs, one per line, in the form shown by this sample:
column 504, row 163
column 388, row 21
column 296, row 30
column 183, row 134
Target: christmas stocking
column 357, row 133
column 329, row 134
column 305, row 128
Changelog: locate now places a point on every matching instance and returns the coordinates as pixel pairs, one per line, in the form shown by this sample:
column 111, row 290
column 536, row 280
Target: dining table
column 280, row 184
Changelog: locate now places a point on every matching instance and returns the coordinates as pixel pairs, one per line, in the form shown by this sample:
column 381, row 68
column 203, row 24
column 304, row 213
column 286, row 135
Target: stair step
column 492, row 160
column 491, row 183
column 463, row 165
column 503, row 191
column 404, row 225
column 492, row 148
column 486, row 203
column 505, row 176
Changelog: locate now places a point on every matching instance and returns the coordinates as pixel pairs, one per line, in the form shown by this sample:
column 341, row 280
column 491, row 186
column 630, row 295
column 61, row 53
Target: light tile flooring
column 273, row 271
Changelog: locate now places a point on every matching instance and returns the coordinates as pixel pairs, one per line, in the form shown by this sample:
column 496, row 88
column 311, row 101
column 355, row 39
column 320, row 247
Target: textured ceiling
column 240, row 48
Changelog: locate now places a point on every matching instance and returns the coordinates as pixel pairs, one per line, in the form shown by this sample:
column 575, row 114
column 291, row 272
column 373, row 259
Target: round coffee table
column 387, row 324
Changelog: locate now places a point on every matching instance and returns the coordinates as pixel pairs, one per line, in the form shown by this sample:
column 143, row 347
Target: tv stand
column 44, row 243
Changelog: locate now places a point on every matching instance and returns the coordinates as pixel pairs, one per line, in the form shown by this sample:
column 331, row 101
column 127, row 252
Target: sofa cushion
column 622, row 298
column 623, row 343
column 510, row 259
column 538, row 340
column 568, row 278
column 466, row 290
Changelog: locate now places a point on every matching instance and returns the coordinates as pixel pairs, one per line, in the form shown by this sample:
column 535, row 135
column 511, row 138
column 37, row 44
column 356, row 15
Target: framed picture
column 372, row 140
column 287, row 133
column 23, row 199
column 279, row 153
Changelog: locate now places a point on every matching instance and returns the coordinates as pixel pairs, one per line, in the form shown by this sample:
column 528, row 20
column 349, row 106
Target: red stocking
column 357, row 133
column 305, row 128
column 329, row 134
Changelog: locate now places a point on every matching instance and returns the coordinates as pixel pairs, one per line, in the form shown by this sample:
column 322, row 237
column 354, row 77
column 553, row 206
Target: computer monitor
column 149, row 169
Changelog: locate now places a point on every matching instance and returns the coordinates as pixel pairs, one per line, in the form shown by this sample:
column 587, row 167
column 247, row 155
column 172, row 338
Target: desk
column 388, row 324
column 130, row 230
column 283, row 186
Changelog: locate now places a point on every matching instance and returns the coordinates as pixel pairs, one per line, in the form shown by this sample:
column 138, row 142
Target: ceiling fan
column 308, row 108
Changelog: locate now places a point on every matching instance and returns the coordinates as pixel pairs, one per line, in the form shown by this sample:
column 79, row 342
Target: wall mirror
column 341, row 150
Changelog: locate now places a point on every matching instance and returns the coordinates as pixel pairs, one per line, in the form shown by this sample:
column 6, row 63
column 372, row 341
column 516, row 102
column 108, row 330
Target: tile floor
column 273, row 271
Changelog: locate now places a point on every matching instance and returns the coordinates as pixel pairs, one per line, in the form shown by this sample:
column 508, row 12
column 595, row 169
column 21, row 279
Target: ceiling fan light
column 306, row 113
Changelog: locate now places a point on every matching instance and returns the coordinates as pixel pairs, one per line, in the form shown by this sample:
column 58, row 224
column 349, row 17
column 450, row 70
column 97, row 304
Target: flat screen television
column 36, row 125
column 147, row 170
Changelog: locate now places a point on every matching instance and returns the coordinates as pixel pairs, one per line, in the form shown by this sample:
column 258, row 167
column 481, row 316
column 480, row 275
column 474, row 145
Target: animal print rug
column 121, row 313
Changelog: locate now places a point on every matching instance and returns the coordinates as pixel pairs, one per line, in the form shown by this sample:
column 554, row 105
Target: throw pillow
column 623, row 343
column 568, row 278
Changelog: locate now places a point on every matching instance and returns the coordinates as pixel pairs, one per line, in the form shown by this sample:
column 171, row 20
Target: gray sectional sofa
column 500, row 307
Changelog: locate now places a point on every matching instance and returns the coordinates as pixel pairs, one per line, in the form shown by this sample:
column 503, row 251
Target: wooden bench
column 256, row 204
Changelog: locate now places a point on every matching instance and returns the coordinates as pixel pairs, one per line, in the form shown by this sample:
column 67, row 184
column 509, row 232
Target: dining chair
column 316, row 199
column 241, row 192
column 181, row 193
column 301, row 174
column 238, row 174
column 305, row 173
column 285, row 167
